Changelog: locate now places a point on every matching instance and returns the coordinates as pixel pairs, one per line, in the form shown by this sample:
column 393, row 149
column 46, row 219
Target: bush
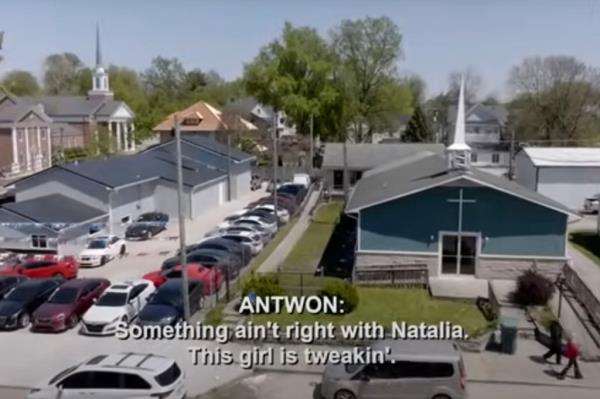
column 343, row 290
column 262, row 285
column 533, row 289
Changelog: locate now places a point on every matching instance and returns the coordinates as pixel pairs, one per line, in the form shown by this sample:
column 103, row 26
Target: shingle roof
column 427, row 170
column 564, row 156
column 12, row 109
column 491, row 113
column 367, row 156
column 219, row 148
column 54, row 208
column 76, row 106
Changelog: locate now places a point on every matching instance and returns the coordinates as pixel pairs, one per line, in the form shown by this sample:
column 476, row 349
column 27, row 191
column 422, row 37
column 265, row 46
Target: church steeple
column 100, row 86
column 459, row 152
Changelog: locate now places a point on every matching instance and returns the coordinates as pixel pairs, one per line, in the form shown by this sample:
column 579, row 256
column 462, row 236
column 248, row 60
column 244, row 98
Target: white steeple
column 100, row 86
column 459, row 152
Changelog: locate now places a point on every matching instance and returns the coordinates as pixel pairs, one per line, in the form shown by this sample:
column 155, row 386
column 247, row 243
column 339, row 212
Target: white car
column 282, row 214
column 116, row 376
column 101, row 250
column 121, row 302
column 251, row 240
column 256, row 220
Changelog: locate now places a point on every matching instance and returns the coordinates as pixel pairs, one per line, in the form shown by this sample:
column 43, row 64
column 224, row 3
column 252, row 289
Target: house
column 261, row 115
column 202, row 119
column 25, row 139
column 361, row 157
column 444, row 215
column 115, row 190
column 485, row 134
column 70, row 121
column 568, row 175
column 392, row 136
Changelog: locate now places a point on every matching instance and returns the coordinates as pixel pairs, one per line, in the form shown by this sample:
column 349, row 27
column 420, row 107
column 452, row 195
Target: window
column 125, row 219
column 105, row 380
column 473, row 157
column 137, row 290
column 476, row 129
column 406, row 369
column 77, row 381
column 132, row 381
column 169, row 376
column 38, row 241
column 495, row 157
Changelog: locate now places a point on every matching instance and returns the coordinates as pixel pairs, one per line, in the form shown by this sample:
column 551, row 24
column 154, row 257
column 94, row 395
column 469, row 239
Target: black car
column 144, row 230
column 153, row 217
column 165, row 307
column 18, row 305
column 232, row 247
column 7, row 283
column 227, row 262
column 297, row 190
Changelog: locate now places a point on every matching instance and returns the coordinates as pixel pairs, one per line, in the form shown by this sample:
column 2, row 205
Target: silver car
column 414, row 369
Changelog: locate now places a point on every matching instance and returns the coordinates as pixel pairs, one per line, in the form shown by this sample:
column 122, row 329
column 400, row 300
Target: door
column 459, row 254
column 380, row 382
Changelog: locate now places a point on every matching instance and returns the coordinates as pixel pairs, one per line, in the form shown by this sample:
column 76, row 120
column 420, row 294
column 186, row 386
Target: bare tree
column 556, row 98
column 473, row 84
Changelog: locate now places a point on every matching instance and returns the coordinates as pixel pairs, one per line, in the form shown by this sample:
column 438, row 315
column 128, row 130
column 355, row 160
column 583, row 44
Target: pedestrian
column 572, row 353
column 555, row 347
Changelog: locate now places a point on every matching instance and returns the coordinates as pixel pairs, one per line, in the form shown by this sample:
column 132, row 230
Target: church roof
column 424, row 171
column 77, row 106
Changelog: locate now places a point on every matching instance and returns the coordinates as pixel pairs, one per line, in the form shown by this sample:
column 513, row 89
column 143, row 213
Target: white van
column 414, row 369
column 302, row 178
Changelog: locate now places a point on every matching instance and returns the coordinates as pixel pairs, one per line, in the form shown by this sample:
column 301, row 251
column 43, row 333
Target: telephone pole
column 312, row 144
column 511, row 154
column 275, row 164
column 182, row 254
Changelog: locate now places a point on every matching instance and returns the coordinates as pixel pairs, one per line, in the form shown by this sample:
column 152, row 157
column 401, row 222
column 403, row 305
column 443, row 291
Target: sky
column 439, row 36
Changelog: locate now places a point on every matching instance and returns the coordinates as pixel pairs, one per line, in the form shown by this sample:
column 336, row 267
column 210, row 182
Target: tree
column 417, row 130
column 557, row 99
column 21, row 83
column 416, row 86
column 165, row 77
column 473, row 83
column 62, row 74
column 368, row 51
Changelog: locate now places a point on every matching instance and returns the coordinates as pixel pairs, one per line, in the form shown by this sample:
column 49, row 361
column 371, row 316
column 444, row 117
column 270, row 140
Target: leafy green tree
column 417, row 130
column 62, row 74
column 21, row 83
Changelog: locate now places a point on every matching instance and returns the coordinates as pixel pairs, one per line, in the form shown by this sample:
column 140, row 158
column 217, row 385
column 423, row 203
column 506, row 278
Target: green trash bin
column 508, row 334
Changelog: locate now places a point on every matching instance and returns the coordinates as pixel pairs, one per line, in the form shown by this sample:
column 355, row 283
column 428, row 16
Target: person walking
column 572, row 353
column 555, row 347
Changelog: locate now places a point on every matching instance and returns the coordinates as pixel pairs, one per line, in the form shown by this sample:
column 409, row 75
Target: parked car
column 256, row 228
column 7, row 283
column 303, row 179
column 297, row 190
column 165, row 307
column 144, row 230
column 256, row 183
column 420, row 369
column 121, row 302
column 67, row 304
column 268, row 216
column 221, row 244
column 591, row 204
column 271, row 226
column 50, row 266
column 211, row 278
column 226, row 262
column 156, row 217
column 18, row 304
column 101, row 250
column 249, row 239
column 121, row 375
column 282, row 214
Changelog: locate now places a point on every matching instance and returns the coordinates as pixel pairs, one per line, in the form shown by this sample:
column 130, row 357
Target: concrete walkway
column 285, row 246
column 586, row 269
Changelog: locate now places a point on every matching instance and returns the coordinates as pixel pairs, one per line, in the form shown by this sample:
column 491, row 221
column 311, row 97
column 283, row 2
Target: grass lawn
column 588, row 242
column 308, row 251
column 386, row 305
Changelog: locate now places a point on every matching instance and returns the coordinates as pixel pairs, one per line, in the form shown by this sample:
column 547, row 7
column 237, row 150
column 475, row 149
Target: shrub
column 533, row 289
column 262, row 285
column 343, row 290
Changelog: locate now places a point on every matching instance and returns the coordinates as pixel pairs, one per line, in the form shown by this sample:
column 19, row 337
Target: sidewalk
column 285, row 246
column 586, row 269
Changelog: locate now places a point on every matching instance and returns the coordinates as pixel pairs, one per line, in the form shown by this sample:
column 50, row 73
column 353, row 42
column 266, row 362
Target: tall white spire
column 100, row 85
column 459, row 152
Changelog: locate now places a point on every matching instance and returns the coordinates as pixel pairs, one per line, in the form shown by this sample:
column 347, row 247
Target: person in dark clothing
column 555, row 342
column 572, row 353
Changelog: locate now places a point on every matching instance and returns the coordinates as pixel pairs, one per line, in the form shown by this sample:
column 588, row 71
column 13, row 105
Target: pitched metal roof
column 564, row 156
column 424, row 171
column 218, row 148
column 54, row 208
column 367, row 156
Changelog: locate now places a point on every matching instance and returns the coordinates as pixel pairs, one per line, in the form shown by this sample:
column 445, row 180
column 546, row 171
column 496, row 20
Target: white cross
column 461, row 201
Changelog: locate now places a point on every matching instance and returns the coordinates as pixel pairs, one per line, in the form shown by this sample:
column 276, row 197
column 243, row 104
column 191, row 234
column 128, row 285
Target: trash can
column 508, row 334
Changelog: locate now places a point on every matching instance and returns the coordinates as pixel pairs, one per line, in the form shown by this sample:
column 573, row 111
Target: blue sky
column 439, row 36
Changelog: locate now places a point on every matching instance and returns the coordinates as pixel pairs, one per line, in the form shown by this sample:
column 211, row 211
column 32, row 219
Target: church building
column 440, row 213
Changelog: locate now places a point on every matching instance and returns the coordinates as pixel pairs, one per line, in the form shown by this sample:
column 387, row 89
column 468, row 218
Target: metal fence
column 284, row 173
column 298, row 282
column 583, row 294
column 413, row 276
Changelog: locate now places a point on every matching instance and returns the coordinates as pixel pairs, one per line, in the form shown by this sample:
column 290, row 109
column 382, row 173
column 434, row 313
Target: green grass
column 214, row 317
column 386, row 305
column 588, row 243
column 309, row 249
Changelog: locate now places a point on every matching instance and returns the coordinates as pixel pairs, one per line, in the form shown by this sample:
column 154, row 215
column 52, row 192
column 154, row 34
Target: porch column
column 126, row 136
column 110, row 136
column 49, row 143
column 27, row 149
column 38, row 157
column 15, row 151
column 132, row 134
column 118, row 136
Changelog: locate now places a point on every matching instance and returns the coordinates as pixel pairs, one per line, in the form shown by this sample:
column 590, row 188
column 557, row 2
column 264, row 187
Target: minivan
column 415, row 369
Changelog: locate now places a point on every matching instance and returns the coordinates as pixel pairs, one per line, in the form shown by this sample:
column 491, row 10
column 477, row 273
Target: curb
column 557, row 384
column 18, row 387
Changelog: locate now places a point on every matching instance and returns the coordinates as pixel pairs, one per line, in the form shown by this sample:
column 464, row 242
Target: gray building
column 362, row 157
column 122, row 187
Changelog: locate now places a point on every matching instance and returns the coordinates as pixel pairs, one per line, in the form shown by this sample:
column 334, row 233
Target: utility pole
column 275, row 164
column 312, row 144
column 345, row 172
column 511, row 154
column 182, row 254
column 229, row 183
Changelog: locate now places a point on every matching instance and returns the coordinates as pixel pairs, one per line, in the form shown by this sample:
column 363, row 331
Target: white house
column 566, row 174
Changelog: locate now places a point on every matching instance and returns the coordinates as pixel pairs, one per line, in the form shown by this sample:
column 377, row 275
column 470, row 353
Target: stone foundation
column 366, row 261
column 510, row 269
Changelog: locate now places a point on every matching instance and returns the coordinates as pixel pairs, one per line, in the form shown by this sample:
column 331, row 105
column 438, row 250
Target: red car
column 211, row 279
column 67, row 304
column 46, row 267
